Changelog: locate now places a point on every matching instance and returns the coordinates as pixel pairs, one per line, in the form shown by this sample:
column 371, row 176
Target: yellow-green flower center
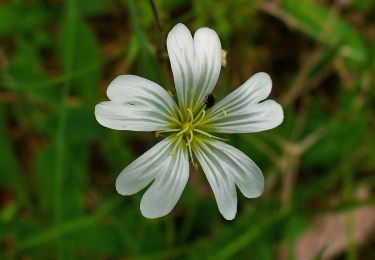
column 187, row 127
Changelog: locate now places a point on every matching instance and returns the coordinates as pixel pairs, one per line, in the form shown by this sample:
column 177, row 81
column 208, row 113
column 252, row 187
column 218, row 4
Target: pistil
column 189, row 126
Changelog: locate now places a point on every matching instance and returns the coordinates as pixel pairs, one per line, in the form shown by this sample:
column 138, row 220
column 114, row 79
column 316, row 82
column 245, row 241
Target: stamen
column 196, row 166
column 179, row 112
column 191, row 115
column 168, row 130
column 182, row 131
column 190, row 152
column 200, row 120
column 202, row 107
column 161, row 132
column 224, row 112
column 210, row 135
column 200, row 112
column 191, row 137
column 174, row 119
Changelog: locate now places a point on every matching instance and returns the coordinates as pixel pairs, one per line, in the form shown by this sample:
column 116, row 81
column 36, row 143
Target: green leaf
column 324, row 26
column 148, row 66
column 325, row 152
column 93, row 7
column 81, row 126
column 72, row 203
column 25, row 74
column 11, row 175
column 76, row 34
column 69, row 41
column 33, row 16
column 99, row 238
column 42, row 179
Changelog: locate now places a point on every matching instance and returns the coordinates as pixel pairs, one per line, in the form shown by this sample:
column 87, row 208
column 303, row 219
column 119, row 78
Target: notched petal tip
column 120, row 188
column 229, row 216
column 280, row 114
column 276, row 113
column 256, row 192
column 151, row 214
column 207, row 31
column 178, row 30
column 121, row 82
column 263, row 76
column 180, row 26
column 100, row 113
column 117, row 82
column 207, row 41
column 264, row 81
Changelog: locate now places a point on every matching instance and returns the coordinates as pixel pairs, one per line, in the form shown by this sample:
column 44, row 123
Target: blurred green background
column 58, row 165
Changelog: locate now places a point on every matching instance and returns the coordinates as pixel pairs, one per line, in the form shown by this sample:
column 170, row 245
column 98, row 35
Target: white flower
column 138, row 104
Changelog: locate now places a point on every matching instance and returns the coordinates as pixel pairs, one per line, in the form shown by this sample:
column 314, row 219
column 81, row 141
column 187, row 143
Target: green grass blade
column 148, row 65
column 11, row 173
column 323, row 25
column 68, row 36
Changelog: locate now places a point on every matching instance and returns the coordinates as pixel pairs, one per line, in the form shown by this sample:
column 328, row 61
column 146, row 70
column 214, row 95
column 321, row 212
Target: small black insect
column 209, row 101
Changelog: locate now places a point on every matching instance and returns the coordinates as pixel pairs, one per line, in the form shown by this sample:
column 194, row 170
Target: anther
column 196, row 166
column 224, row 112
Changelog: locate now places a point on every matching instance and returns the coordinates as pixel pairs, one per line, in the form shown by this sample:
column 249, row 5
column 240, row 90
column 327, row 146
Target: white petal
column 166, row 163
column 137, row 104
column 143, row 170
column 241, row 112
column 220, row 180
column 224, row 167
column 195, row 63
column 164, row 193
column 180, row 47
column 126, row 117
column 140, row 92
column 208, row 54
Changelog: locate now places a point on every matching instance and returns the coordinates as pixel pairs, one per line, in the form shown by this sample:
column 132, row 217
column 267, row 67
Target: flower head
column 138, row 104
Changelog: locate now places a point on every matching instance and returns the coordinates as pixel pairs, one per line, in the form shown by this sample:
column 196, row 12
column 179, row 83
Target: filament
column 210, row 135
column 182, row 131
column 202, row 117
column 190, row 152
column 191, row 115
